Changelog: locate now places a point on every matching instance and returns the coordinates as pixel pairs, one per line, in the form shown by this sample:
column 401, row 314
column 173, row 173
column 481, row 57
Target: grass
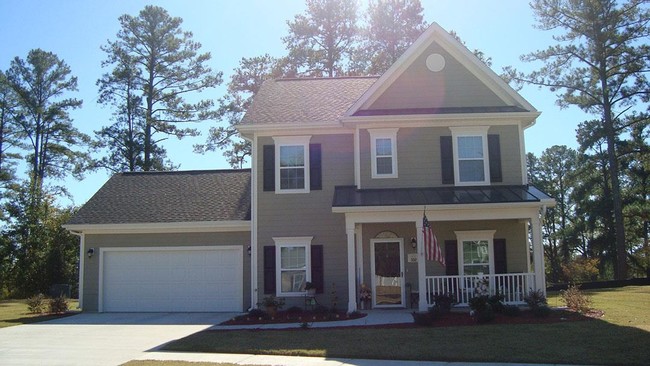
column 14, row 312
column 621, row 337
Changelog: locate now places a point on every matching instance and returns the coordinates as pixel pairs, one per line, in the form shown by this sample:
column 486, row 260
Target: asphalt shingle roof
column 305, row 100
column 180, row 196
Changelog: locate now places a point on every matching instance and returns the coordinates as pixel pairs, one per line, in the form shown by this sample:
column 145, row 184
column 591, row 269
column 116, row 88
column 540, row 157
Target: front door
column 387, row 272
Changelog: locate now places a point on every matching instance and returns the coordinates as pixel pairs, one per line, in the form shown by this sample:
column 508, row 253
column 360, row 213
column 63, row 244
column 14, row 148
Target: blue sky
column 230, row 30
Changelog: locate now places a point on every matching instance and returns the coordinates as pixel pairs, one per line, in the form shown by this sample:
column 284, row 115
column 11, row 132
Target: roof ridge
column 317, row 78
column 180, row 172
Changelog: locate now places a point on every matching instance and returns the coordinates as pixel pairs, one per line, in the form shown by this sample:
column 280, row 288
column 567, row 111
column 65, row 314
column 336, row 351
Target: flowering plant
column 482, row 288
column 364, row 292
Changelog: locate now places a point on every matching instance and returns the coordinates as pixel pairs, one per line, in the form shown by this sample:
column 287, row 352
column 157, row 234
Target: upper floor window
column 383, row 145
column 471, row 163
column 291, row 163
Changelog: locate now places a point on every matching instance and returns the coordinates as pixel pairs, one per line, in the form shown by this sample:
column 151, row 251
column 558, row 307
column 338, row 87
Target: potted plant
column 272, row 304
column 310, row 288
column 365, row 295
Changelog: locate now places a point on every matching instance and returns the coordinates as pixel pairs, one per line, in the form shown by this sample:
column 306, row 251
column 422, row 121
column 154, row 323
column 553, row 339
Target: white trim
column 477, row 131
column 400, row 241
column 357, row 158
column 522, row 152
column 442, row 120
column 294, row 242
column 254, row 221
column 487, row 235
column 387, row 133
column 456, row 50
column 161, row 227
column 282, row 141
column 100, row 302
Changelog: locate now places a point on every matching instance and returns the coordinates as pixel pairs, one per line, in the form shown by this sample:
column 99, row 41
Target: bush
column 511, row 310
column 535, row 299
column 541, row 311
column 482, row 311
column 294, row 311
column 443, row 302
column 496, row 302
column 576, row 300
column 258, row 313
column 581, row 270
column 58, row 305
column 36, row 304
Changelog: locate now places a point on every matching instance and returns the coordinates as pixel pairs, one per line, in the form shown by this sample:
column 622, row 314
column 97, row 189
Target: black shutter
column 447, row 159
column 269, row 167
column 500, row 257
column 494, row 151
column 317, row 273
column 269, row 269
column 315, row 171
column 451, row 257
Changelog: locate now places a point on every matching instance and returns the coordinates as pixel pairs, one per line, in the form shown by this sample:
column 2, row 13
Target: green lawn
column 621, row 337
column 14, row 312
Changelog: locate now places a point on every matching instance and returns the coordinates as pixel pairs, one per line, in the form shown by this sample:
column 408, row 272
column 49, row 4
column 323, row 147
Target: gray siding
column 418, row 157
column 454, row 86
column 91, row 265
column 310, row 214
column 513, row 231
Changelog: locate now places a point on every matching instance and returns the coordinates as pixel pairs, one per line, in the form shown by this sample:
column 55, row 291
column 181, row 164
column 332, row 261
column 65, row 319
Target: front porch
column 512, row 286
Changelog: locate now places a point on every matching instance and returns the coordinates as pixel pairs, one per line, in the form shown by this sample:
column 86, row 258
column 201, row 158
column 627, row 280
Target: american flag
column 432, row 250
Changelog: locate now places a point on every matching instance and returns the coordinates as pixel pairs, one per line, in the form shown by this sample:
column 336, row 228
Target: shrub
column 541, row 311
column 511, row 310
column 58, row 305
column 36, row 304
column 481, row 309
column 576, row 300
column 258, row 313
column 443, row 302
column 422, row 318
column 496, row 302
column 581, row 270
column 535, row 299
column 294, row 311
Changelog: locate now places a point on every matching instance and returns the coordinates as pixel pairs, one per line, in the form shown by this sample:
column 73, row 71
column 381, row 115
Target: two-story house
column 343, row 172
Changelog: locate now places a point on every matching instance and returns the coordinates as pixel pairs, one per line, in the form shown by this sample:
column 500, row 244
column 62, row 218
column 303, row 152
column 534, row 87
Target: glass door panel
column 388, row 274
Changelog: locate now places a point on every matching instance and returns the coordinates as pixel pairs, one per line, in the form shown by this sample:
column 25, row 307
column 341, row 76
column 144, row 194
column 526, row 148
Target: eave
column 161, row 227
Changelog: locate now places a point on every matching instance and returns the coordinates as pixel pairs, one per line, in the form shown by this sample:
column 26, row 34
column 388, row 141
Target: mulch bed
column 293, row 317
column 451, row 319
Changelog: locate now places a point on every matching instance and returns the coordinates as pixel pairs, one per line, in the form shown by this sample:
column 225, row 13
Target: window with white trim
column 383, row 146
column 471, row 164
column 292, row 164
column 293, row 267
column 475, row 252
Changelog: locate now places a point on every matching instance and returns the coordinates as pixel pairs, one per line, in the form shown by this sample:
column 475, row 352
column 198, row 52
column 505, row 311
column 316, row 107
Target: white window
column 292, row 164
column 293, row 265
column 471, row 164
column 383, row 146
column 475, row 252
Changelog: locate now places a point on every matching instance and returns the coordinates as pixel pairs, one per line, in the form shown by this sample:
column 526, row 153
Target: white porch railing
column 512, row 286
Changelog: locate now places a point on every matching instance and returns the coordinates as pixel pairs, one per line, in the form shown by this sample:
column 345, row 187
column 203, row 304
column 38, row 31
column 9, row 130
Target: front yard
column 621, row 337
column 15, row 312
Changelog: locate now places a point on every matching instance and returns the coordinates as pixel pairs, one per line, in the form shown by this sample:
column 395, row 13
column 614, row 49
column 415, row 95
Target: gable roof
column 465, row 71
column 165, row 197
column 311, row 101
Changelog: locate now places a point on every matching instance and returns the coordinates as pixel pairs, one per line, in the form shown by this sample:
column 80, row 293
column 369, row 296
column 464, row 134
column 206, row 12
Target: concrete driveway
column 98, row 339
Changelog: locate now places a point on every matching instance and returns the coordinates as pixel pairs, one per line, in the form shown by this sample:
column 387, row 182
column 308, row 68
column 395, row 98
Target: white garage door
column 192, row 279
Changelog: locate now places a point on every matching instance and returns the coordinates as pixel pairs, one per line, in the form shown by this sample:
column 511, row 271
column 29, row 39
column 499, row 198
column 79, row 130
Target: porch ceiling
column 349, row 196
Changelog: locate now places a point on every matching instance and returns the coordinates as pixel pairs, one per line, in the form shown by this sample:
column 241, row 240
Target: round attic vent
column 435, row 62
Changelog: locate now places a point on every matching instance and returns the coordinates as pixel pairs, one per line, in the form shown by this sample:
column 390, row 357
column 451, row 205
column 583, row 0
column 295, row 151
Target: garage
column 171, row 279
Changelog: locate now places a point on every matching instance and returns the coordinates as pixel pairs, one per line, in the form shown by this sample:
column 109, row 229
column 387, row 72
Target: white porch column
column 352, row 283
column 538, row 253
column 359, row 242
column 422, row 268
